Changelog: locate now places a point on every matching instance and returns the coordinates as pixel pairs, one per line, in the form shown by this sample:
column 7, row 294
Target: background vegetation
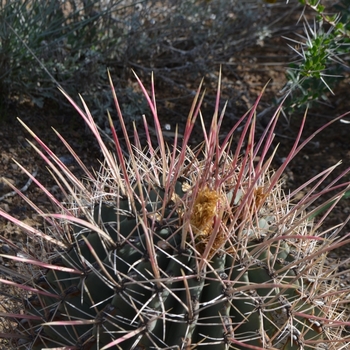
column 300, row 46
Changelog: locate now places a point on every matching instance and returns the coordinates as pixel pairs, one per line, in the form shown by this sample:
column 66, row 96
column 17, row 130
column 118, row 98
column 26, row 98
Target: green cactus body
column 118, row 294
column 184, row 252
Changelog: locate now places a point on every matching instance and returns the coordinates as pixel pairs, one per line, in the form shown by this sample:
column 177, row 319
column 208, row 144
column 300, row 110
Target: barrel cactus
column 175, row 247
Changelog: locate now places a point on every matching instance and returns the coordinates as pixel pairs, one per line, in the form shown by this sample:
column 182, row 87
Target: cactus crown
column 173, row 247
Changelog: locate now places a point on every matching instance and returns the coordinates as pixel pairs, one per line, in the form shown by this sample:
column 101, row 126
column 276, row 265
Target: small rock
column 67, row 160
column 5, row 249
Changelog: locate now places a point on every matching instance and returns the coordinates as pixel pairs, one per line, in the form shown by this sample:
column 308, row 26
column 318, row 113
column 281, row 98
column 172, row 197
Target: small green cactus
column 180, row 248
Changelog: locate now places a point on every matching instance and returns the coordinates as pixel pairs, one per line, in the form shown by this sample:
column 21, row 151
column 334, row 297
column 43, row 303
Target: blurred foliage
column 73, row 42
column 69, row 42
column 77, row 40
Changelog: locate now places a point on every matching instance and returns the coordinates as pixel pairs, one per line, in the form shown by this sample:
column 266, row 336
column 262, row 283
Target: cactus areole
column 173, row 247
